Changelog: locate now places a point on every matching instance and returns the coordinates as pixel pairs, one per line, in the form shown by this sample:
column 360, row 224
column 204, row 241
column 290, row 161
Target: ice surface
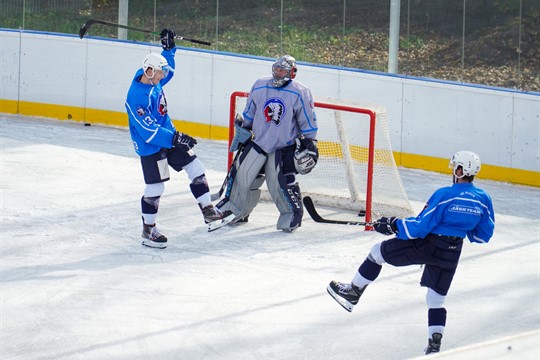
column 77, row 284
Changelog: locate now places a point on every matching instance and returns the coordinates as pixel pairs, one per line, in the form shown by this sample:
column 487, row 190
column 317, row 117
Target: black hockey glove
column 181, row 139
column 167, row 39
column 305, row 155
column 386, row 226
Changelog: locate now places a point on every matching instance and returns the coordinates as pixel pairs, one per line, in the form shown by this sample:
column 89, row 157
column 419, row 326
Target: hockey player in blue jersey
column 160, row 145
column 278, row 136
column 434, row 238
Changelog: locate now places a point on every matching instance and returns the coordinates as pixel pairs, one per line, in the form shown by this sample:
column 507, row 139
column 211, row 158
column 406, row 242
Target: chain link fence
column 494, row 43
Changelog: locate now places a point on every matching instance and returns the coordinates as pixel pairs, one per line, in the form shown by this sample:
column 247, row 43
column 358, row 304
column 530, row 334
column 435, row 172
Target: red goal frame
column 325, row 105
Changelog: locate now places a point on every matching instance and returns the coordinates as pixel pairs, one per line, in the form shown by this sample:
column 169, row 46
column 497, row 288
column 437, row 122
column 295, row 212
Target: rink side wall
column 63, row 77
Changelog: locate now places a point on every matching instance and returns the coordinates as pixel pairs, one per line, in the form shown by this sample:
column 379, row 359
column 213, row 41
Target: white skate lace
column 154, row 233
column 344, row 287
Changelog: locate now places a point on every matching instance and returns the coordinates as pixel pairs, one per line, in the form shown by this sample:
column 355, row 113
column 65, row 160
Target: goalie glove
column 241, row 134
column 181, row 139
column 305, row 155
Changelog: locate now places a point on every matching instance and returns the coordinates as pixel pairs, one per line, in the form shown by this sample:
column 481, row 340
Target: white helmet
column 288, row 63
column 469, row 162
column 155, row 62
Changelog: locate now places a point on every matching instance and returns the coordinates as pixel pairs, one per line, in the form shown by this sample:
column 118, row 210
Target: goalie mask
column 283, row 70
column 155, row 62
column 469, row 162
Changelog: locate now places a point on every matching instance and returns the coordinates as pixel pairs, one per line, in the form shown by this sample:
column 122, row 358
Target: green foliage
column 411, row 42
column 314, row 31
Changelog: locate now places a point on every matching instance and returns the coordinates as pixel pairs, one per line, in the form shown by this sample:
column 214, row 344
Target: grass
column 261, row 35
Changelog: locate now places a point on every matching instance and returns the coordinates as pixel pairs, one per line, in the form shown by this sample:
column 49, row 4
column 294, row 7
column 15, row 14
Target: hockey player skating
column 159, row 145
column 277, row 137
column 434, row 238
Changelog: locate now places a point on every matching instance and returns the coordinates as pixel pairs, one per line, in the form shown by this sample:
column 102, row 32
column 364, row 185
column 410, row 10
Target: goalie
column 276, row 139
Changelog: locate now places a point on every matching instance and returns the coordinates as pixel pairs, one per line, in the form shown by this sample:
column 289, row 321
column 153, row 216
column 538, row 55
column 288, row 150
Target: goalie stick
column 310, row 207
column 84, row 28
column 217, row 195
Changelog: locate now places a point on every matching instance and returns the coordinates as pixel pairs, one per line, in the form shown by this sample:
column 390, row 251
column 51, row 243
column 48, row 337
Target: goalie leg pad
column 287, row 197
column 244, row 191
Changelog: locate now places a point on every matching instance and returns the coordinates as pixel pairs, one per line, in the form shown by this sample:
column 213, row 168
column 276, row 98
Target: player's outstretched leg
column 152, row 237
column 346, row 295
column 434, row 344
column 215, row 218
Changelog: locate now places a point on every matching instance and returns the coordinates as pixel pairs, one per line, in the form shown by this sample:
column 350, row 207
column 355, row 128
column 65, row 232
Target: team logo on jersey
column 274, row 110
column 140, row 111
column 162, row 107
column 465, row 209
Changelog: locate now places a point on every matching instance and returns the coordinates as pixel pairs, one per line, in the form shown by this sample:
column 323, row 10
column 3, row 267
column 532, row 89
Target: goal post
column 356, row 170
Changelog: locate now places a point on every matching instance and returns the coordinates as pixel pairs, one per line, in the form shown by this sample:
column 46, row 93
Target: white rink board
column 427, row 118
column 52, row 70
column 526, row 135
column 109, row 78
column 9, row 65
column 453, row 119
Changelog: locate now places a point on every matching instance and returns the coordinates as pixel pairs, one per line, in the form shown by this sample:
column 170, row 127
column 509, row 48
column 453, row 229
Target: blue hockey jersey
column 460, row 210
column 150, row 126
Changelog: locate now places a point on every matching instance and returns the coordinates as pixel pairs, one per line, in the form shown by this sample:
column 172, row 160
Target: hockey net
column 356, row 170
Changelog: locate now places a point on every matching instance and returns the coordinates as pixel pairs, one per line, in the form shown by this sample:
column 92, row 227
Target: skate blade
column 153, row 244
column 214, row 225
column 341, row 301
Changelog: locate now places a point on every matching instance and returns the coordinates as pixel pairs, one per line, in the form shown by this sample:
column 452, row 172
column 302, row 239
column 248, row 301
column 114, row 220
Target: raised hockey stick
column 310, row 207
column 84, row 28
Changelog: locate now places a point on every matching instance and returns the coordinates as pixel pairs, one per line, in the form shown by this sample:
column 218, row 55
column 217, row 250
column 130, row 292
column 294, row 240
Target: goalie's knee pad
column 286, row 197
column 243, row 192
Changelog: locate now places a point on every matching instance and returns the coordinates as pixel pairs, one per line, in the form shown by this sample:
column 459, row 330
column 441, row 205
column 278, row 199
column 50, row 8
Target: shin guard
column 287, row 198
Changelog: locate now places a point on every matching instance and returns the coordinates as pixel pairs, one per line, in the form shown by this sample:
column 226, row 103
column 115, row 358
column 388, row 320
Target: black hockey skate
column 215, row 218
column 346, row 295
column 434, row 344
column 244, row 220
column 153, row 238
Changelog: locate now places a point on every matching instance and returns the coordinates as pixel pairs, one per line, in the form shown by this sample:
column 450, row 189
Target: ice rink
column 77, row 284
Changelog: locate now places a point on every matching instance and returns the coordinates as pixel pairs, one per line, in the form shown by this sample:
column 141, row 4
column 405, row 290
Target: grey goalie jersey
column 277, row 116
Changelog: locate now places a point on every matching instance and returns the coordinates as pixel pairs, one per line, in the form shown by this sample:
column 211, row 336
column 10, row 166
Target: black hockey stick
column 84, row 28
column 310, row 207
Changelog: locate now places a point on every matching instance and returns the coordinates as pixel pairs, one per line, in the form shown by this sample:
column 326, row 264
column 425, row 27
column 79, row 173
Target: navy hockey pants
column 440, row 255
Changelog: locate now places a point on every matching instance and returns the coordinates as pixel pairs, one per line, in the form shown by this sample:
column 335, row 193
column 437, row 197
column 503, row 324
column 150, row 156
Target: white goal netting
column 356, row 169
